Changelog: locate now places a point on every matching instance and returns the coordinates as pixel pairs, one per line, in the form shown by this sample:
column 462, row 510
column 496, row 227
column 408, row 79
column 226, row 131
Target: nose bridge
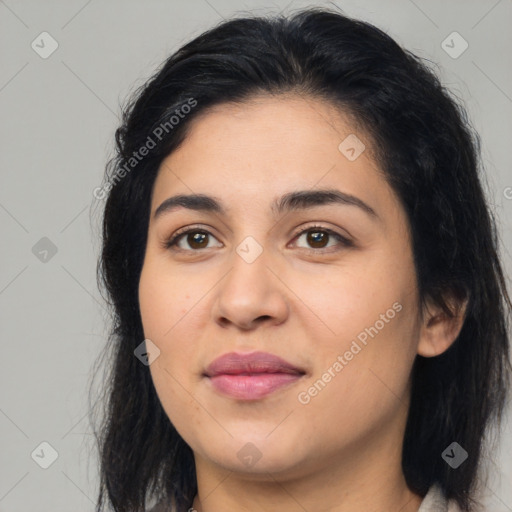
column 251, row 289
column 250, row 249
column 250, row 260
column 254, row 234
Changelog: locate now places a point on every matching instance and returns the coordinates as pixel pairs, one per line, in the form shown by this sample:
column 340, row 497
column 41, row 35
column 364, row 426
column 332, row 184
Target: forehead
column 280, row 122
column 268, row 146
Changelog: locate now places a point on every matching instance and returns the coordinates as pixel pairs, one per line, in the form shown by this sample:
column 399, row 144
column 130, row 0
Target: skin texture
column 341, row 451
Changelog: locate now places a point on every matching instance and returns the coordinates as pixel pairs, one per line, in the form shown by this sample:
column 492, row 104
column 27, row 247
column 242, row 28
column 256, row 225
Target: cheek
column 360, row 385
column 166, row 315
column 169, row 311
column 180, row 406
column 164, row 303
column 368, row 318
column 338, row 307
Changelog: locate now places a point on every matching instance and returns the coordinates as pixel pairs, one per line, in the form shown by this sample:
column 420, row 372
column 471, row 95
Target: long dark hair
column 429, row 153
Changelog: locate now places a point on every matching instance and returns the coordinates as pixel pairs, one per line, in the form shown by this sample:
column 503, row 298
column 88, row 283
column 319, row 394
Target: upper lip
column 234, row 363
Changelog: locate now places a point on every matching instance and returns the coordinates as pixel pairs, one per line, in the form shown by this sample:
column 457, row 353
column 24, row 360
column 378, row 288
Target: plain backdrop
column 66, row 68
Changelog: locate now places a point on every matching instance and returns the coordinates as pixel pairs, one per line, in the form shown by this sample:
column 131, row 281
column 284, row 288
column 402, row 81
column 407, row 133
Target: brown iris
column 317, row 237
column 197, row 238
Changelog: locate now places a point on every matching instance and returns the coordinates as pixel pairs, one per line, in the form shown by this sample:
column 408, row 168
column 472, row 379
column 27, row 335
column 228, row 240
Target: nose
column 251, row 293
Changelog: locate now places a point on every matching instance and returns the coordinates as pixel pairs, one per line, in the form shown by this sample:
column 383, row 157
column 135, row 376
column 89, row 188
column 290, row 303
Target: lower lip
column 252, row 387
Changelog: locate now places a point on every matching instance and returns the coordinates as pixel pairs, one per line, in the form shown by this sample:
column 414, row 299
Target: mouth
column 251, row 376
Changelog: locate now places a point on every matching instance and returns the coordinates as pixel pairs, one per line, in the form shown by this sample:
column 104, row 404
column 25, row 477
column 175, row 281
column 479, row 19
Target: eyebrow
column 292, row 201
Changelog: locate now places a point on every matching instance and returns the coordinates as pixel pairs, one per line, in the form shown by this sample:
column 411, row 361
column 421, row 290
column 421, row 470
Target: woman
column 309, row 309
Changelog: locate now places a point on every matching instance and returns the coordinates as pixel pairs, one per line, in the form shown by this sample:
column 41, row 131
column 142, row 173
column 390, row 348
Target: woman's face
column 253, row 278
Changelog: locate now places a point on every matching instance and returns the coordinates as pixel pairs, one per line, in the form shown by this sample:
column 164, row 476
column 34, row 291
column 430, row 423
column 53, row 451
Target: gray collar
column 434, row 501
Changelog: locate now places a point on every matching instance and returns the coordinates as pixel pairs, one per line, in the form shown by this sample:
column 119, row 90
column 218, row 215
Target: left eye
column 316, row 236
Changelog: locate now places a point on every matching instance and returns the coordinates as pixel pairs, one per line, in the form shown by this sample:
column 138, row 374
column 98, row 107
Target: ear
column 439, row 330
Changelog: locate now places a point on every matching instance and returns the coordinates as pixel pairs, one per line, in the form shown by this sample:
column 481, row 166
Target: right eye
column 196, row 239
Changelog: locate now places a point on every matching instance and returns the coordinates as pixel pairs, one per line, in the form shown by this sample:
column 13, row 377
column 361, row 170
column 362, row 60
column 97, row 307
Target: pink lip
column 251, row 376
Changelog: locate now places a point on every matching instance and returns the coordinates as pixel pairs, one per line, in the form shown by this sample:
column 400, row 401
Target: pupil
column 316, row 237
column 196, row 238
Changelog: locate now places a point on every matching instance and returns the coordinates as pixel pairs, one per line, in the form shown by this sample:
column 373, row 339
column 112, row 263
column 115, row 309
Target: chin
column 256, row 455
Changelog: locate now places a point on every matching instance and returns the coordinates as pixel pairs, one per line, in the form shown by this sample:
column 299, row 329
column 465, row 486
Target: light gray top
column 434, row 501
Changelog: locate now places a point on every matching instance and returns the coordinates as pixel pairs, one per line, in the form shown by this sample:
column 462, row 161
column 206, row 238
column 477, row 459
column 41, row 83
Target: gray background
column 58, row 118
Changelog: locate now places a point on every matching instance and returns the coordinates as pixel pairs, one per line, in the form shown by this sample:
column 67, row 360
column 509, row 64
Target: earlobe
column 439, row 330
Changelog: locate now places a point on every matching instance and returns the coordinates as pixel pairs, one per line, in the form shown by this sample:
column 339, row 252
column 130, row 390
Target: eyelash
column 345, row 242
